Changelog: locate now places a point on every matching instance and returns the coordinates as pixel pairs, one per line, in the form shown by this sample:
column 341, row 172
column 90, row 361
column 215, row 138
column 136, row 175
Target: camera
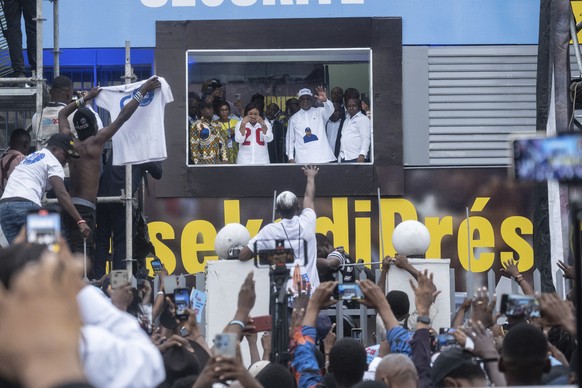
column 514, row 305
column 279, row 252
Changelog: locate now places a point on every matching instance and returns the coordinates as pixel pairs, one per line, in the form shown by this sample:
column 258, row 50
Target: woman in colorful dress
column 228, row 125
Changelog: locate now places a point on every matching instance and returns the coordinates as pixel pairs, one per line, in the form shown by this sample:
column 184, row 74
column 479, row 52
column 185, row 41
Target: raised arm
column 402, row 262
column 385, row 268
column 246, row 302
column 374, row 297
column 424, row 294
column 128, row 110
column 309, row 198
column 511, row 271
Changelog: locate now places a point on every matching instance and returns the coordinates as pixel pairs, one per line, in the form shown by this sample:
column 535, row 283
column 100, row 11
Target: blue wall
column 109, row 23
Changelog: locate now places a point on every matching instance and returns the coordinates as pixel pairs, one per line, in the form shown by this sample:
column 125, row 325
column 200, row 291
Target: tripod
column 279, row 274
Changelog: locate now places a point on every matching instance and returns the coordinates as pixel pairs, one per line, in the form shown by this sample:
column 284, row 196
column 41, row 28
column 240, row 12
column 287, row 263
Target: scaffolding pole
column 39, row 56
column 128, row 177
column 56, row 45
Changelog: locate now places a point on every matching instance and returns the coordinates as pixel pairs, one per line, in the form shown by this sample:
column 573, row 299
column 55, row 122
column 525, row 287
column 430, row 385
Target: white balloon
column 411, row 238
column 231, row 236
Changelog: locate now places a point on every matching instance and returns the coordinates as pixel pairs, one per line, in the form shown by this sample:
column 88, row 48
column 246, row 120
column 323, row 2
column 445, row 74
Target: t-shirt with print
column 142, row 138
column 30, row 179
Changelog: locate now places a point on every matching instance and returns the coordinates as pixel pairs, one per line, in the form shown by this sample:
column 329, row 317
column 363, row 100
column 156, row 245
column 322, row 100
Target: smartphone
column 182, row 302
column 348, row 291
column 446, row 339
column 157, row 265
column 118, row 278
column 225, row 345
column 539, row 158
column 43, row 227
column 262, row 323
column 357, row 334
column 513, row 305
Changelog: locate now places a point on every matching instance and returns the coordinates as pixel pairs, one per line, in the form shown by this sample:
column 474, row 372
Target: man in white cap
column 306, row 137
column 294, row 226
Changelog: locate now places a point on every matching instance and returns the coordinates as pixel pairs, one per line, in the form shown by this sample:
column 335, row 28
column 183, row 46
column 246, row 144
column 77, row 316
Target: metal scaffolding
column 26, row 95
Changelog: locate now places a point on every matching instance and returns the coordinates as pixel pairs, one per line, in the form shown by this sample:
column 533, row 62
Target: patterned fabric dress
column 207, row 143
column 228, row 133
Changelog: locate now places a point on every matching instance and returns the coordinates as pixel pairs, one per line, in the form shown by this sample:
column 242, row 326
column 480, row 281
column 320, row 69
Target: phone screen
column 348, row 291
column 43, row 227
column 157, row 265
column 182, row 302
column 516, row 305
column 542, row 158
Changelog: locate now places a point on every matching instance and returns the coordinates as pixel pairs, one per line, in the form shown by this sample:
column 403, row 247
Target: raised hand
column 510, row 269
column 321, row 93
column 329, row 339
column 425, row 292
column 151, row 84
column 247, row 295
column 310, row 171
column 484, row 346
column 386, row 263
column 401, row 261
column 568, row 270
column 483, row 308
column 91, row 94
column 121, row 297
column 557, row 312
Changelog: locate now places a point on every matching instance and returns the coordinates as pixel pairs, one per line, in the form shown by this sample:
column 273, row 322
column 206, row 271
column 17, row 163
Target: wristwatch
column 423, row 319
column 184, row 332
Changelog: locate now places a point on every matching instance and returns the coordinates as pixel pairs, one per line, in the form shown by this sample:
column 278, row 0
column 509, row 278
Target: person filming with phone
column 294, row 226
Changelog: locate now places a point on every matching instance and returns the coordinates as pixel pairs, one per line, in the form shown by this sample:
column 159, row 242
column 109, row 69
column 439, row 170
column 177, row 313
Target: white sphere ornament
column 411, row 238
column 230, row 240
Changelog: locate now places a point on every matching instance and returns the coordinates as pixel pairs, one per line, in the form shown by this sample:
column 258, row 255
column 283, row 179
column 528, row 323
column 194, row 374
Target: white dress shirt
column 356, row 134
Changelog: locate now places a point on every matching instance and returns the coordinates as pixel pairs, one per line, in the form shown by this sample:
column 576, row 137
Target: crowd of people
column 311, row 129
column 104, row 336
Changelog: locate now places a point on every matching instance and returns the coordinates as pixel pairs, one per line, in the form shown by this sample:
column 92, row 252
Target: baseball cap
column 304, row 92
column 448, row 361
column 257, row 367
column 65, row 142
column 85, row 122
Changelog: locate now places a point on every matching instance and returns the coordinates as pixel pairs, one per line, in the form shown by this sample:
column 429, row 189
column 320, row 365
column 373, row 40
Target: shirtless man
column 85, row 170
